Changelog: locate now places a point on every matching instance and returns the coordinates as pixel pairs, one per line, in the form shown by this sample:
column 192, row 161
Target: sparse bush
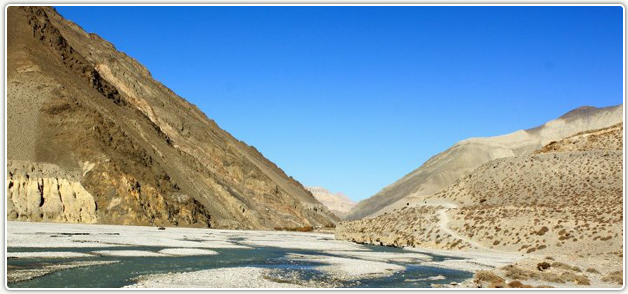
column 515, row 284
column 552, row 278
column 543, row 266
column 560, row 265
column 616, row 277
column 295, row 229
column 516, row 273
column 488, row 277
column 578, row 279
column 583, row 280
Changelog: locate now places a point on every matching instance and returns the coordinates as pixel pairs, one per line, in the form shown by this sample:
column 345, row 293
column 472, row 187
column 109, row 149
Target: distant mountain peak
column 338, row 203
column 582, row 111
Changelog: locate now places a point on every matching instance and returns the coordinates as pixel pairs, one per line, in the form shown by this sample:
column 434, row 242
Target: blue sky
column 354, row 98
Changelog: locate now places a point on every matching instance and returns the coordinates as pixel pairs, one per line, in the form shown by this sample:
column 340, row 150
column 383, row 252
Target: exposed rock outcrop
column 154, row 158
column 40, row 191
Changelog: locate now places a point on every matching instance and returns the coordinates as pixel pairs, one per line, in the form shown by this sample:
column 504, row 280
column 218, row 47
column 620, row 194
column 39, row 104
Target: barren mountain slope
column 610, row 138
column 461, row 159
column 567, row 204
column 337, row 203
column 80, row 112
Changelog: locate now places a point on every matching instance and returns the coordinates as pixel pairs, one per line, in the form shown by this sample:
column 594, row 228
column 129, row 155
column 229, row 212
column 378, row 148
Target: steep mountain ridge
column 465, row 156
column 74, row 101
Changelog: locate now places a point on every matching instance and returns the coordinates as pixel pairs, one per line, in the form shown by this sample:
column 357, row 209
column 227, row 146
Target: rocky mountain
column 556, row 202
column 92, row 137
column 337, row 203
column 465, row 156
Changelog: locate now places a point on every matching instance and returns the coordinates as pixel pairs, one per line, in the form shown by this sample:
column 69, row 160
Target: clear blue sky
column 353, row 98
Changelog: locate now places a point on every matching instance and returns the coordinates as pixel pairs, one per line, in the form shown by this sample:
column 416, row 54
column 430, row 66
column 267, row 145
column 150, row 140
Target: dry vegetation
column 533, row 273
column 295, row 229
column 610, row 138
column 567, row 205
column 541, row 203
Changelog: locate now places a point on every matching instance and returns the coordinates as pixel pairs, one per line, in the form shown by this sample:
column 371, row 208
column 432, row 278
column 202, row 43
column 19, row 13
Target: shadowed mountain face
column 337, row 203
column 92, row 137
column 465, row 156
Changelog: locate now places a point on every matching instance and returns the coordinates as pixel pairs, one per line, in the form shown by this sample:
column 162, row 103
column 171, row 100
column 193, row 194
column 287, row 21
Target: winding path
column 443, row 222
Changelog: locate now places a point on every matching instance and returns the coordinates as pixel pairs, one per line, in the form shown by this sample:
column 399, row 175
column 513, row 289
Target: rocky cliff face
column 40, row 191
column 337, row 203
column 465, row 156
column 77, row 106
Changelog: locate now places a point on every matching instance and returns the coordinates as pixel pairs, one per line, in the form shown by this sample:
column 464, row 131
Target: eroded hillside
column 82, row 112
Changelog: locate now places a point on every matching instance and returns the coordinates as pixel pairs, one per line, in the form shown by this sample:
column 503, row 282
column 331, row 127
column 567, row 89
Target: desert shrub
column 578, row 279
column 560, row 265
column 616, row 277
column 489, row 277
column 583, row 280
column 552, row 278
column 496, row 285
column 517, row 273
column 542, row 231
column 543, row 266
column 592, row 270
column 517, row 284
column 295, row 229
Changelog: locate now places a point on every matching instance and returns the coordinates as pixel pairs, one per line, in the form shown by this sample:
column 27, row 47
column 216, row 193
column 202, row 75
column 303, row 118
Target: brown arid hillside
column 566, row 204
column 93, row 138
column 337, row 203
column 465, row 156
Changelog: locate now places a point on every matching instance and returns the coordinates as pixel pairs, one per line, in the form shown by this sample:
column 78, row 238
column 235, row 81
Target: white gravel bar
column 237, row 277
column 131, row 253
column 350, row 268
column 187, row 251
column 306, row 243
column 409, row 257
column 47, row 254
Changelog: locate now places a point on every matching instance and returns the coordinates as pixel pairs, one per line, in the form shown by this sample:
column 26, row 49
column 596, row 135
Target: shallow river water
column 122, row 273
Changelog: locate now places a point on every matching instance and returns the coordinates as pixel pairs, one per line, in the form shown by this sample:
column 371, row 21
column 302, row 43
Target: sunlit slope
column 461, row 159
